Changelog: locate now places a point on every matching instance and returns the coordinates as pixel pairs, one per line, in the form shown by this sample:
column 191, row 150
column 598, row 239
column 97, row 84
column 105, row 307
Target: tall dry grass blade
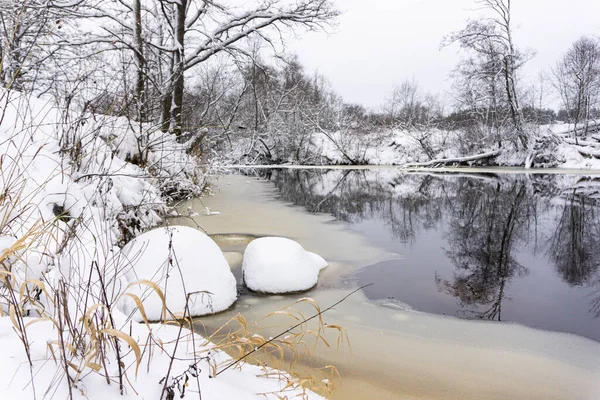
column 157, row 290
column 132, row 343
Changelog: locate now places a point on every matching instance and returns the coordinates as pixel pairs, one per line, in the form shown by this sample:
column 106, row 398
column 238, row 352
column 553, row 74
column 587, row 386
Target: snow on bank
column 175, row 173
column 279, row 265
column 69, row 196
column 550, row 148
column 182, row 261
column 145, row 383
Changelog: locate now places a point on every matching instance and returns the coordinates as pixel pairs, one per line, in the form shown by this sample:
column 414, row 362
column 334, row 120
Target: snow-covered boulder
column 317, row 260
column 198, row 267
column 279, row 265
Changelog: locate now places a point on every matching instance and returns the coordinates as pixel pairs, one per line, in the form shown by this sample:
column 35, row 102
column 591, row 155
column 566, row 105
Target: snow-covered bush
column 163, row 158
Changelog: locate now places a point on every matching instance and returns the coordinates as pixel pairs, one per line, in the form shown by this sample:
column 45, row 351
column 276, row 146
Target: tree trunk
column 167, row 101
column 179, row 63
column 510, row 70
column 515, row 111
column 140, row 83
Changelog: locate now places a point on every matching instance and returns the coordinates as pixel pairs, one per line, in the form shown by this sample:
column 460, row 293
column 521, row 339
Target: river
column 484, row 285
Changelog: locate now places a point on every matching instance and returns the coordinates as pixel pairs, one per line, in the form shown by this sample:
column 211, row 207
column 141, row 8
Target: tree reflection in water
column 486, row 219
column 486, row 226
column 574, row 246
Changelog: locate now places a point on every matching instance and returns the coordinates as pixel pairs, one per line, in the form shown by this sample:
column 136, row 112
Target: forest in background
column 218, row 74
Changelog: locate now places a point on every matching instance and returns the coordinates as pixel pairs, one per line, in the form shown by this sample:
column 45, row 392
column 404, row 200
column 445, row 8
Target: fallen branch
column 456, row 160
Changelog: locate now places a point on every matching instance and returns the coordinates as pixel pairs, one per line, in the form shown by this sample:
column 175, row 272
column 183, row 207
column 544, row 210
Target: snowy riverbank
column 552, row 147
column 70, row 196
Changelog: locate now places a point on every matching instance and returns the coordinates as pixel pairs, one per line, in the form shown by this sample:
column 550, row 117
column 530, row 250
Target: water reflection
column 574, row 246
column 508, row 247
column 485, row 227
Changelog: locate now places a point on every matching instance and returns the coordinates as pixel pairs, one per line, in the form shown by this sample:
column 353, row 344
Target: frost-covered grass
column 70, row 196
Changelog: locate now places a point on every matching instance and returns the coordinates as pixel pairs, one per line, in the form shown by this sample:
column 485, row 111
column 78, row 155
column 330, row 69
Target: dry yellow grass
column 283, row 352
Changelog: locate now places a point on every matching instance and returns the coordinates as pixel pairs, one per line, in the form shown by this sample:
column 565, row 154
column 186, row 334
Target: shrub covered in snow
column 165, row 159
column 279, row 265
column 183, row 262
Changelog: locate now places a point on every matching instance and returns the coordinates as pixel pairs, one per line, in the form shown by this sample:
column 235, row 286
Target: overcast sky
column 380, row 42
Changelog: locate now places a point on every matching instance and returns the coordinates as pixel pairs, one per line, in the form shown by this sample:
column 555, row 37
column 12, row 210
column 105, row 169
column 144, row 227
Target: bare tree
column 415, row 113
column 577, row 80
column 491, row 40
column 230, row 28
column 404, row 104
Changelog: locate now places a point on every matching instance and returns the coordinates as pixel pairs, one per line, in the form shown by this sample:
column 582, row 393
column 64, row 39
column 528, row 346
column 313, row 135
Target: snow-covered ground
column 159, row 344
column 69, row 198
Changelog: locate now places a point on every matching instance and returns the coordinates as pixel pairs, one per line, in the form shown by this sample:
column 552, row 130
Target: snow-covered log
column 456, row 160
column 581, row 142
column 588, row 152
column 582, row 129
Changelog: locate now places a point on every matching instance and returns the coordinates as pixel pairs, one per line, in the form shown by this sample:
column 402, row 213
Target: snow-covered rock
column 317, row 260
column 279, row 265
column 181, row 260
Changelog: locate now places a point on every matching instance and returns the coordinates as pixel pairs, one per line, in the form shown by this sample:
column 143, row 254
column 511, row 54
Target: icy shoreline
column 399, row 168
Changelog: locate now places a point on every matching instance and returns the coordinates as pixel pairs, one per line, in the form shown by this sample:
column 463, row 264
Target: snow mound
column 279, row 265
column 317, row 260
column 197, row 267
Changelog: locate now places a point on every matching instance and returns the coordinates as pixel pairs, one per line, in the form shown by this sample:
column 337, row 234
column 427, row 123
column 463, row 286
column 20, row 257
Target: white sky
column 378, row 43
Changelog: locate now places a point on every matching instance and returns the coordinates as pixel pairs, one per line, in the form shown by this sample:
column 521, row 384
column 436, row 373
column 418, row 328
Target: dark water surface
column 513, row 248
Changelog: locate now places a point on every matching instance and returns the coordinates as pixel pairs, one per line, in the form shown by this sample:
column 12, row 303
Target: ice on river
column 396, row 352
